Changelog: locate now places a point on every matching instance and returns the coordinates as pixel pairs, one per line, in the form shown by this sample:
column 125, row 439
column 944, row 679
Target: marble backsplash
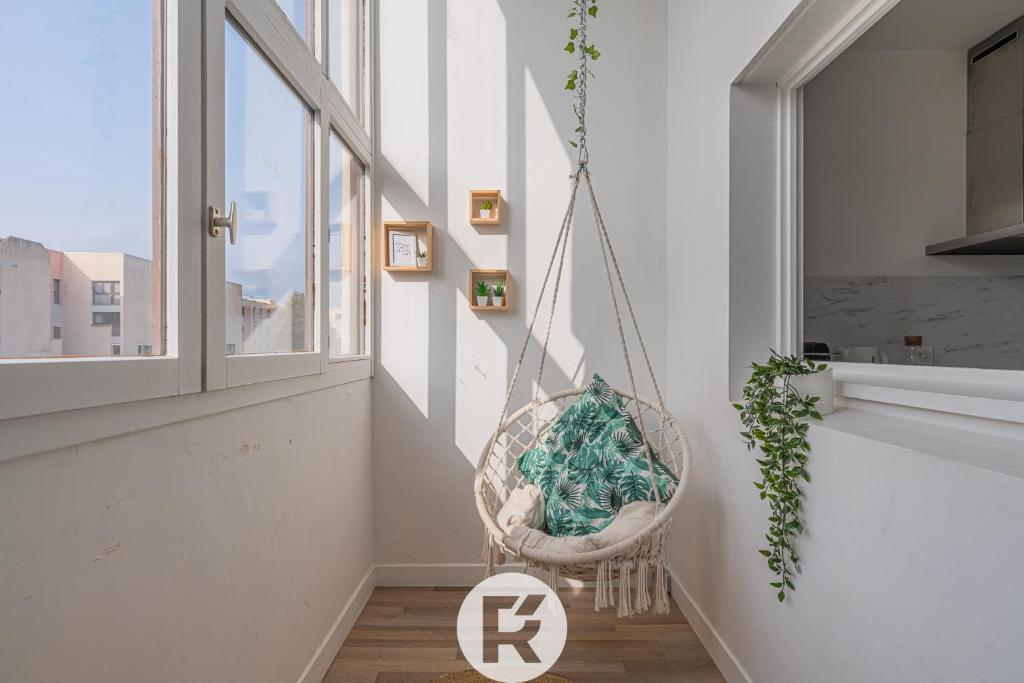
column 971, row 321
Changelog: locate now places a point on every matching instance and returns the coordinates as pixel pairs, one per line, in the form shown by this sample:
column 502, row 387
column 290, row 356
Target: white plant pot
column 421, row 261
column 485, row 213
column 481, row 301
column 819, row 384
column 499, row 301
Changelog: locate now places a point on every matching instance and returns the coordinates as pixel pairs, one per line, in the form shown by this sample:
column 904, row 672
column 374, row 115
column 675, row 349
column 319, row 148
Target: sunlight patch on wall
column 548, row 167
column 405, row 330
column 481, row 379
column 405, row 85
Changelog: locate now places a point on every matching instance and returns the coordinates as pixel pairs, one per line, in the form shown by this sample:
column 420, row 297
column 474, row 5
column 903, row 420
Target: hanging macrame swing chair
column 628, row 564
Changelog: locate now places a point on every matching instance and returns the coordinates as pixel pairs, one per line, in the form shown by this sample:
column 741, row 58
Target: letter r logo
column 494, row 637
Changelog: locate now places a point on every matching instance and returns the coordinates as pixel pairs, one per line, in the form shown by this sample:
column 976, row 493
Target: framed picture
column 403, row 249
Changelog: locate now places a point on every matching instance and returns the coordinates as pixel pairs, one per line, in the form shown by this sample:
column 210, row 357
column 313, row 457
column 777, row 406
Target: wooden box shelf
column 476, row 198
column 491, row 277
column 424, row 233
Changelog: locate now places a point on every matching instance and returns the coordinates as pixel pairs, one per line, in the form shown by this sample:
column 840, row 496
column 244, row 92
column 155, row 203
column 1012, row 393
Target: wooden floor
column 407, row 635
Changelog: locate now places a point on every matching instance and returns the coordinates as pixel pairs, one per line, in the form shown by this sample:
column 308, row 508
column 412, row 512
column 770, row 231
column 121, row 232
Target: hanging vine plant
column 579, row 44
column 775, row 416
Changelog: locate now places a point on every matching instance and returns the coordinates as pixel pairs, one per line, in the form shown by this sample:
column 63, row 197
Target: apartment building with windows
column 55, row 303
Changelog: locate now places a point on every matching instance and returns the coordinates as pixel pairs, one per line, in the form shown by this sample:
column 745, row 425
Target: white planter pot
column 499, row 301
column 481, row 301
column 421, row 261
column 485, row 213
column 819, row 384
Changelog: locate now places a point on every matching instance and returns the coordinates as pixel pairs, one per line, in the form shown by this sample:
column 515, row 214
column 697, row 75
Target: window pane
column 79, row 125
column 295, row 10
column 267, row 170
column 344, row 250
column 345, row 50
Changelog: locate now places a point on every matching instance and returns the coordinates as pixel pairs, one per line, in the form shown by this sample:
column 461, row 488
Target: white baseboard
column 324, row 655
column 449, row 575
column 709, row 637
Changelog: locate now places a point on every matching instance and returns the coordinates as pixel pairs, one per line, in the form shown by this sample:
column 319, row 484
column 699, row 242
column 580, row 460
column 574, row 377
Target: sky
column 76, row 124
column 76, row 140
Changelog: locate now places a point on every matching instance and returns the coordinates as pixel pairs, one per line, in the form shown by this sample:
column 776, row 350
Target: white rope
column 563, row 233
column 603, row 230
column 605, row 248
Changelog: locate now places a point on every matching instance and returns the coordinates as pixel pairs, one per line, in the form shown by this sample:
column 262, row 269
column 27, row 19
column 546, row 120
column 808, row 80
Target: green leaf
column 573, row 33
column 573, row 143
column 766, row 553
column 782, row 596
column 570, row 47
column 592, row 10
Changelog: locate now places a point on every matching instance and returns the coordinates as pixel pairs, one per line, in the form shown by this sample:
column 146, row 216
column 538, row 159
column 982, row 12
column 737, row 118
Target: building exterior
column 55, row 303
column 26, row 295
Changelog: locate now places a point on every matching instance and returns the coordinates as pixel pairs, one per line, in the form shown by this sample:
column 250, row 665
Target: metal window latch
column 230, row 222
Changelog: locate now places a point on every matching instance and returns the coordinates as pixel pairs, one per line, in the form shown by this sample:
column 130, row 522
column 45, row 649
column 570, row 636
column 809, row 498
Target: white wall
column 218, row 549
column 472, row 97
column 907, row 559
column 885, row 165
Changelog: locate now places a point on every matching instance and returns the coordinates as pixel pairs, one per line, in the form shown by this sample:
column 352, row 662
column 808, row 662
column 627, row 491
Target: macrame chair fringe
column 638, row 560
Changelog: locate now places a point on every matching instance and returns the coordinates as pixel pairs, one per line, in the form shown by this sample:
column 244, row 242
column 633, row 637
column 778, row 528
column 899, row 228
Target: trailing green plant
column 487, row 205
column 499, row 289
column 579, row 12
column 775, row 415
column 482, row 289
column 422, row 253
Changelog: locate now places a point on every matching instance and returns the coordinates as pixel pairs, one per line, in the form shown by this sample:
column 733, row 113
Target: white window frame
column 46, row 385
column 195, row 358
column 272, row 34
column 767, row 175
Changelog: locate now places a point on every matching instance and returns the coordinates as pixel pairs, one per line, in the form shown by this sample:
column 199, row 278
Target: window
column 346, row 61
column 104, row 220
column 117, row 266
column 344, row 240
column 106, row 293
column 268, row 137
column 108, row 318
column 873, row 292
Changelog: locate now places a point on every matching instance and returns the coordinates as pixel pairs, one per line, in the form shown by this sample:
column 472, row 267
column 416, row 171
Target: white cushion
column 524, row 508
column 631, row 520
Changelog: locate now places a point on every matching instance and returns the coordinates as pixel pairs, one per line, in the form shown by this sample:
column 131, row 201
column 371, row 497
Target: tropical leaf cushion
column 592, row 463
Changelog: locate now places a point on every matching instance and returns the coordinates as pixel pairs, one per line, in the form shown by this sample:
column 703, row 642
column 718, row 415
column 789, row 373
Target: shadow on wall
column 443, row 369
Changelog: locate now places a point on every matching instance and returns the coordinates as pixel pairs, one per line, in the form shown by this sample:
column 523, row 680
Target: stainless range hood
column 995, row 147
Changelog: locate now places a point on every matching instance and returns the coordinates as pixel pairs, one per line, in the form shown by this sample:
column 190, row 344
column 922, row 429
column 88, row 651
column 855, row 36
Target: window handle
column 230, row 222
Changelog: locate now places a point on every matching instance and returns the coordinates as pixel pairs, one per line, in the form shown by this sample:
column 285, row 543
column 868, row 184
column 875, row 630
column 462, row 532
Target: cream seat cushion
column 631, row 520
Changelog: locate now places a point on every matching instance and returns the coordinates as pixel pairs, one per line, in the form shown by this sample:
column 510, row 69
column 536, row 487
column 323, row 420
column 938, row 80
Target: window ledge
column 982, row 394
column 35, row 434
column 937, row 436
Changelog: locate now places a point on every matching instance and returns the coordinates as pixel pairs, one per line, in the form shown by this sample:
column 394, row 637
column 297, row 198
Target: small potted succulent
column 499, row 294
column 482, row 290
column 485, row 208
column 421, row 258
